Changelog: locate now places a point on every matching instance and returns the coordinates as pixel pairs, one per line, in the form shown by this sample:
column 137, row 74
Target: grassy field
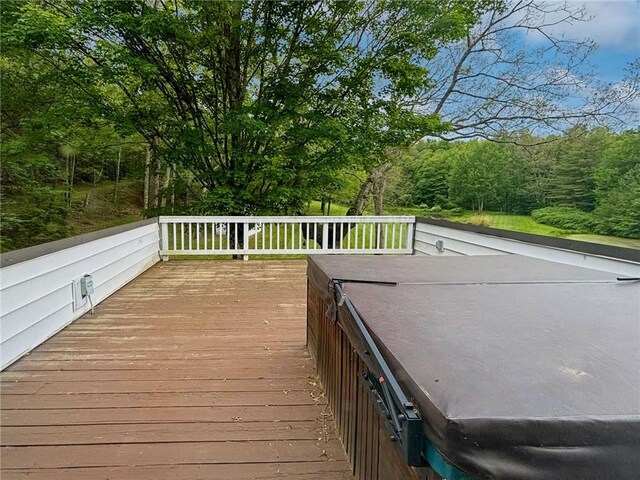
column 604, row 239
column 314, row 209
column 524, row 223
column 517, row 223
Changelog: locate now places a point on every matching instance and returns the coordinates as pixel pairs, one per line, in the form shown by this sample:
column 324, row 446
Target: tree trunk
column 147, row 167
column 165, row 188
column 173, row 191
column 360, row 201
column 71, row 169
column 378, row 195
column 156, row 186
column 115, row 192
column 376, row 181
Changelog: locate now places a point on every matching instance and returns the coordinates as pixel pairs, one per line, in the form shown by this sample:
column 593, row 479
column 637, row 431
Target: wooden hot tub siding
column 373, row 456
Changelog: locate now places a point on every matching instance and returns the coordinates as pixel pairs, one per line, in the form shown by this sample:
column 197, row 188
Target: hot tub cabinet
column 491, row 367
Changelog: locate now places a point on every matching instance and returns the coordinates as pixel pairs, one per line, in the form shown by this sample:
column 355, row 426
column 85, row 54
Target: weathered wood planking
column 194, row 370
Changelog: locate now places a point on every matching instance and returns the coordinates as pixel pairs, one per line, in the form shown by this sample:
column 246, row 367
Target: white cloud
column 615, row 23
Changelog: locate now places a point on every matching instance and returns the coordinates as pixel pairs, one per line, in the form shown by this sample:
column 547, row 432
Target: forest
column 112, row 111
column 584, row 181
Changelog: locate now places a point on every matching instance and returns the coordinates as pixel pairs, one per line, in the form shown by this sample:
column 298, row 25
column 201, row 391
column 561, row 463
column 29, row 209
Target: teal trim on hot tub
column 440, row 465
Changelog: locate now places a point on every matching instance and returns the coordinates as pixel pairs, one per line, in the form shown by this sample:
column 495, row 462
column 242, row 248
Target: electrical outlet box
column 81, row 288
column 86, row 285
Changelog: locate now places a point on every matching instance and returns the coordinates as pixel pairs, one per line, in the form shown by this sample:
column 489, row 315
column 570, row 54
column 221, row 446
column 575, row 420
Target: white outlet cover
column 78, row 300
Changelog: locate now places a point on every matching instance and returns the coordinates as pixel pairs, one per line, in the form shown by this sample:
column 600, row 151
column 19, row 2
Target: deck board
column 196, row 369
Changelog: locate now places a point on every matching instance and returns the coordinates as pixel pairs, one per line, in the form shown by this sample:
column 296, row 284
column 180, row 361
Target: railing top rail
column 300, row 219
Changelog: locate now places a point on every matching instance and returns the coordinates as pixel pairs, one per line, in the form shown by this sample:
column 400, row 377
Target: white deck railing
column 194, row 235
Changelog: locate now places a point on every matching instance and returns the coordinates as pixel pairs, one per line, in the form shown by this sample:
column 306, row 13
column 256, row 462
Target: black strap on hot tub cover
column 399, row 415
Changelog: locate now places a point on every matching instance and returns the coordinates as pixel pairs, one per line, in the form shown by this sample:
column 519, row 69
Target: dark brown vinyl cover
column 521, row 368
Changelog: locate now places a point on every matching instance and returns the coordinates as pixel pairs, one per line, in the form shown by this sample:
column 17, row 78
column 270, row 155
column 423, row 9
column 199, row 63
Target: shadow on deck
column 193, row 370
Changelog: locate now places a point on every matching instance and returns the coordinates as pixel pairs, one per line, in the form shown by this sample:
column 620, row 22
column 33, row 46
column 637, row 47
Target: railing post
column 245, row 241
column 410, row 228
column 325, row 236
column 164, row 240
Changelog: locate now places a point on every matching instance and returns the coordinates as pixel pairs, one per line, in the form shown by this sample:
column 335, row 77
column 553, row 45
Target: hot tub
column 502, row 367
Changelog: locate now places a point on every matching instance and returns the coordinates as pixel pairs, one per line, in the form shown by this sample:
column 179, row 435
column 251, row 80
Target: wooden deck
column 196, row 369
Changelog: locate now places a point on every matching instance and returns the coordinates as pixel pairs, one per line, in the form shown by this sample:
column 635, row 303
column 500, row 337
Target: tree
column 430, row 174
column 617, row 186
column 256, row 99
column 477, row 175
column 576, row 157
column 618, row 210
column 492, row 81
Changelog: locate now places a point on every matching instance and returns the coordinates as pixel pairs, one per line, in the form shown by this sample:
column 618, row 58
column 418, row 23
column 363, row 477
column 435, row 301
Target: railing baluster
column 198, row 236
column 235, row 237
column 393, row 236
column 182, row 236
column 278, row 236
column 341, row 234
column 335, row 226
column 356, row 239
column 246, row 245
column 371, row 236
column 315, row 235
column 175, row 237
column 286, row 227
column 378, row 237
column 364, row 236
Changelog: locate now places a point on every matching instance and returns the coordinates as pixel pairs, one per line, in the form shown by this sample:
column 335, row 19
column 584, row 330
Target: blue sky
column 615, row 27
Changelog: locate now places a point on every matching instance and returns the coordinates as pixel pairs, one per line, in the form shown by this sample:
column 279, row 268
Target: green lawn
column 517, row 223
column 616, row 241
column 336, row 210
column 524, row 223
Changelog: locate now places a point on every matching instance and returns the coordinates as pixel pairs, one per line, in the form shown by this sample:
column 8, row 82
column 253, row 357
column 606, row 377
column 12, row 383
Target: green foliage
column 477, row 176
column 618, row 209
column 576, row 157
column 566, row 218
column 37, row 219
column 587, row 171
column 265, row 103
column 430, row 172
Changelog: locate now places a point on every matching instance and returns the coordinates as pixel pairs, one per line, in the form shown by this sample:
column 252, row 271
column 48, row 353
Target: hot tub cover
column 521, row 368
